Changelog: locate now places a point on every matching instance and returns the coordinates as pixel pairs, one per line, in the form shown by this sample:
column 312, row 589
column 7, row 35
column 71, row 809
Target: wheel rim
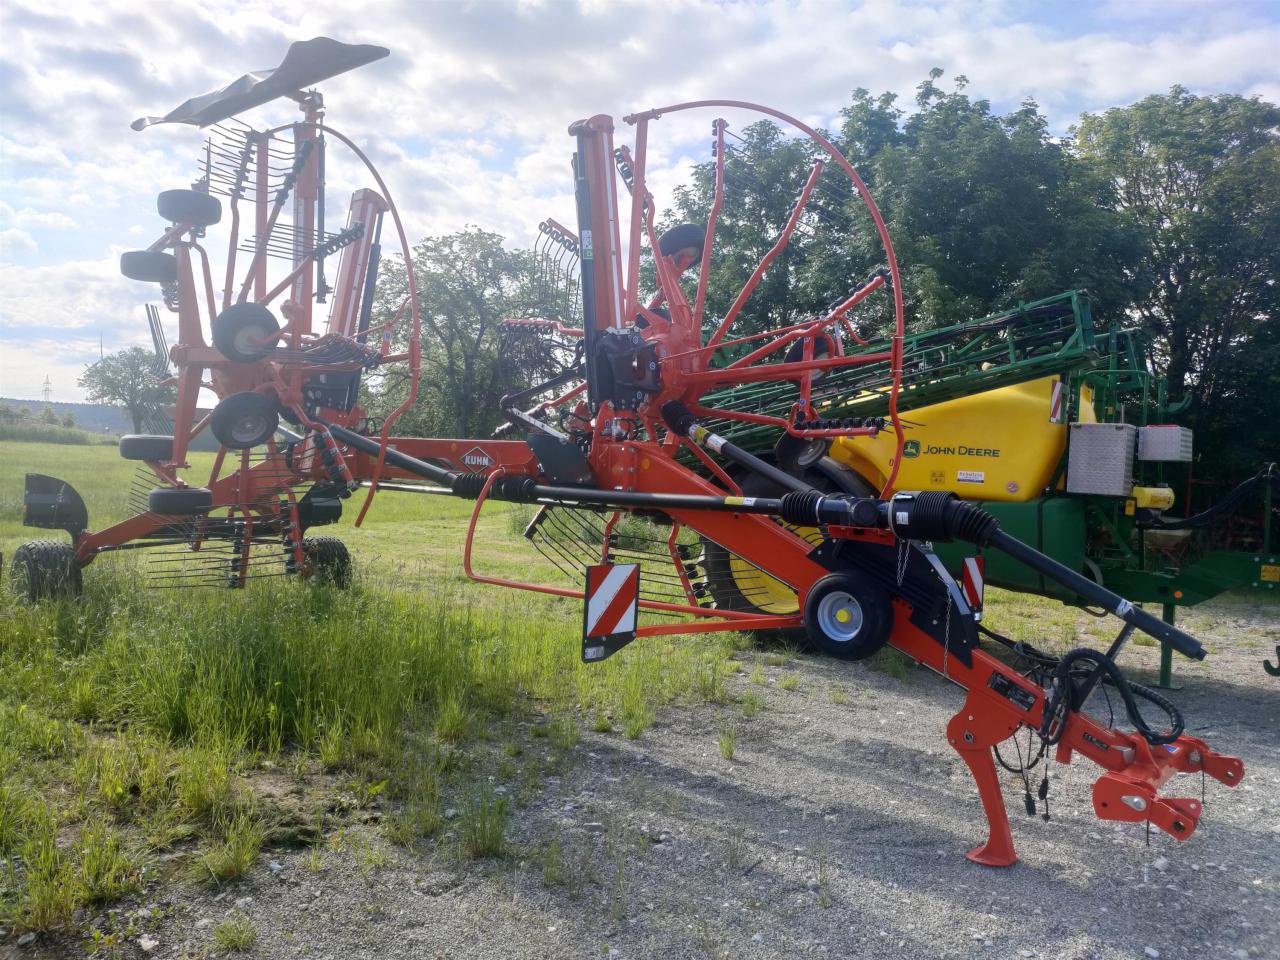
column 249, row 429
column 840, row 616
column 762, row 591
column 248, row 341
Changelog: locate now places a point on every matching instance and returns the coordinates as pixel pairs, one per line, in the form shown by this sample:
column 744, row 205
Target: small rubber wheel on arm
column 149, row 266
column 848, row 615
column 797, row 454
column 327, row 560
column 44, row 570
column 179, row 501
column 150, row 447
column 244, row 420
column 189, row 206
column 242, row 331
column 684, row 243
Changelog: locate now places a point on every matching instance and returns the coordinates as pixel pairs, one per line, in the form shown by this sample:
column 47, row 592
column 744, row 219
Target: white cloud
column 14, row 241
column 467, row 120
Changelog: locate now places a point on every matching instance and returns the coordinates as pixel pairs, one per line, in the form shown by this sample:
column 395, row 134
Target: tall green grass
column 145, row 704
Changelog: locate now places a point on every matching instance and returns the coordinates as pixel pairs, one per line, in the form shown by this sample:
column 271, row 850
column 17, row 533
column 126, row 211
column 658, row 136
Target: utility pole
column 48, row 389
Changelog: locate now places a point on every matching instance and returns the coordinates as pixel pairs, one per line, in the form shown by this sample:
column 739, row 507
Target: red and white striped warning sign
column 1057, row 409
column 972, row 581
column 613, row 596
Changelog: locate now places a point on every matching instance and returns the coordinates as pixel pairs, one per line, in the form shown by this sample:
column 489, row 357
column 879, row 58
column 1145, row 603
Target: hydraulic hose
column 1066, row 695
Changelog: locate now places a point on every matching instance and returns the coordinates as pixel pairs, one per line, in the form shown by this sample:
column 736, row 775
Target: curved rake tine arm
column 255, row 274
column 708, row 244
column 260, row 251
column 783, row 239
column 638, row 191
column 207, row 272
column 242, row 173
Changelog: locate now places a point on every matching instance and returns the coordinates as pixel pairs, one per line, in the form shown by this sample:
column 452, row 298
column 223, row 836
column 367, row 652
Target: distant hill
column 94, row 417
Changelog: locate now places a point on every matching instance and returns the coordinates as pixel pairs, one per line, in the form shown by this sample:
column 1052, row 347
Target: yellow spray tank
column 1000, row 445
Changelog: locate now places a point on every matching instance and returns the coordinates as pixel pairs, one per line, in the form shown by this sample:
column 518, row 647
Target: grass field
column 142, row 733
column 151, row 738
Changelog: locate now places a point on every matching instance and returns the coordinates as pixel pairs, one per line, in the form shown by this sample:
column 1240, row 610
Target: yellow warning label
column 1270, row 573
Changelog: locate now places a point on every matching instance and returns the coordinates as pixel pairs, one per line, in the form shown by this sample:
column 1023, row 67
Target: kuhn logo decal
column 477, row 459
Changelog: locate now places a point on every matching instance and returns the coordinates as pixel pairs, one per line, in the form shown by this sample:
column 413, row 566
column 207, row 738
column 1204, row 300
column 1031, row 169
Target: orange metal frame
column 633, row 451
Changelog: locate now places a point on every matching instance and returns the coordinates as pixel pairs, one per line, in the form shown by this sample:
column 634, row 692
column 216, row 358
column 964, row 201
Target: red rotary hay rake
column 619, row 438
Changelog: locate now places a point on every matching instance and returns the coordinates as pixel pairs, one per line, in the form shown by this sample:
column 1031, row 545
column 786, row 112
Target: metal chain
column 903, row 555
column 946, row 635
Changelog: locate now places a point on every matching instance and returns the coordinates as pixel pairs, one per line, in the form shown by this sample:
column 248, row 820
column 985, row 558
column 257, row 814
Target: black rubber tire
column 796, row 454
column 189, row 206
column 862, row 597
column 149, row 266
column 150, row 447
column 685, row 236
column 236, row 327
column 179, row 501
column 244, row 420
column 642, row 321
column 45, row 570
column 327, row 560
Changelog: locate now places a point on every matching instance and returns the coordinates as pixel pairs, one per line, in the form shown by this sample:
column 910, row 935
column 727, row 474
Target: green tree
column 127, row 379
column 468, row 284
column 1197, row 179
column 69, row 420
column 47, row 415
column 984, row 211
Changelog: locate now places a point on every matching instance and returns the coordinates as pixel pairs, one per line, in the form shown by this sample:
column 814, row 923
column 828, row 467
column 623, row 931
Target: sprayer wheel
column 44, row 570
column 189, row 206
column 244, row 420
column 149, row 266
column 327, row 560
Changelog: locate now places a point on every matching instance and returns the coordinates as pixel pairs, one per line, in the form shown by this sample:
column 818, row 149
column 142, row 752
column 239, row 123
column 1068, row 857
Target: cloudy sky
column 467, row 118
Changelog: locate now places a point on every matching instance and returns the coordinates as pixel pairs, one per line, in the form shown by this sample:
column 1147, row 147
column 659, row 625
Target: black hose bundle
column 1066, row 695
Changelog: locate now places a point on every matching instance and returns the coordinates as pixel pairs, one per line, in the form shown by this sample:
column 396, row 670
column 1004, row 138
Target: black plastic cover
column 53, row 504
column 306, row 63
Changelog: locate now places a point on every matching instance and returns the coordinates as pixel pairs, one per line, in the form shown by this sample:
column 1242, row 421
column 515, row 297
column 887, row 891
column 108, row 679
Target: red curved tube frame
column 881, row 229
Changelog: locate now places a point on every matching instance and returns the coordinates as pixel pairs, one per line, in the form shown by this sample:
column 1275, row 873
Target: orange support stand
column 972, row 733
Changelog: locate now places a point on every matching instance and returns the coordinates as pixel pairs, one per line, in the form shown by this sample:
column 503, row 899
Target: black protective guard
column 53, row 504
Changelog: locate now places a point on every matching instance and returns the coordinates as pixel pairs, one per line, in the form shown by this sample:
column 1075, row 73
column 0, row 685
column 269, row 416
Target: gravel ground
column 838, row 829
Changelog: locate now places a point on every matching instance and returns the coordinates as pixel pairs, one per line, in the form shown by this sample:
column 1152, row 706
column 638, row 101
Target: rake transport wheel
column 327, row 561
column 44, row 569
column 149, row 266
column 683, row 242
column 189, row 206
column 179, row 501
column 244, row 420
column 240, row 332
column 152, row 447
column 848, row 615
